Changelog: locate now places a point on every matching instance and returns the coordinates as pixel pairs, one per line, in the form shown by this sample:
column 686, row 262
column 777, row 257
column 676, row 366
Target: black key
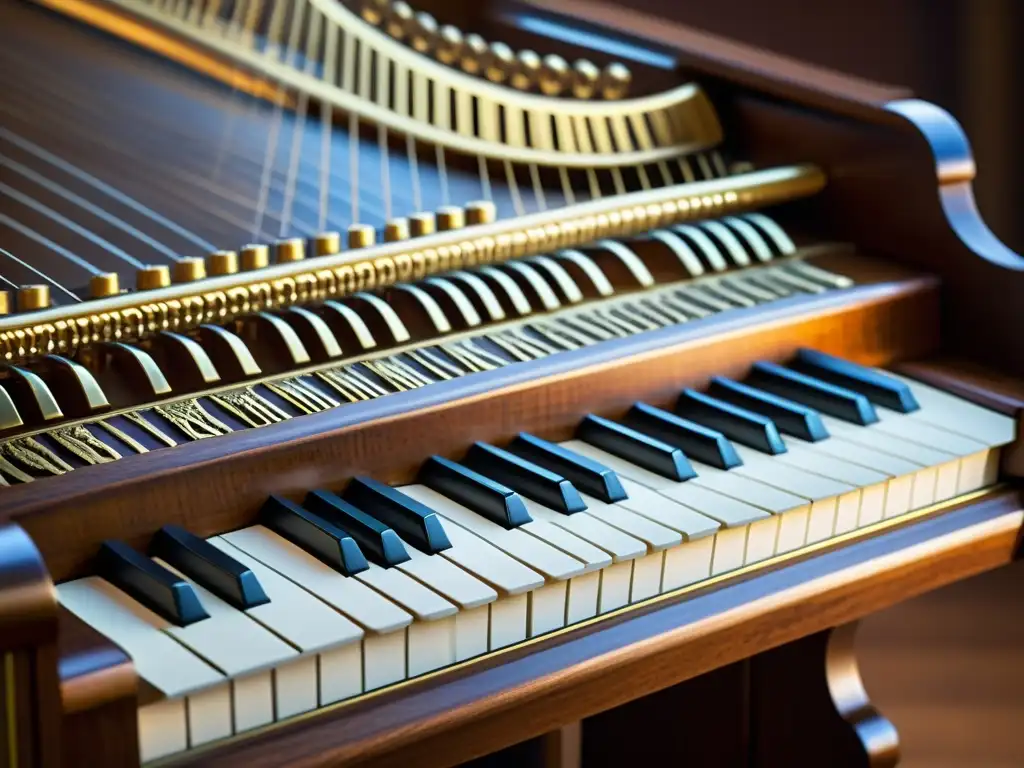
column 151, row 584
column 736, row 423
column 702, row 443
column 827, row 398
column 790, row 417
column 525, row 477
column 586, row 474
column 375, row 539
column 874, row 385
column 481, row 494
column 417, row 523
column 636, row 447
column 212, row 568
column 317, row 536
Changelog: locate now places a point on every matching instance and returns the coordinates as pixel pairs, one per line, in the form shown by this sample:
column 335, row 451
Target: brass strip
column 190, row 417
column 136, row 417
column 184, row 306
column 712, row 581
column 85, row 445
column 10, row 700
column 18, row 474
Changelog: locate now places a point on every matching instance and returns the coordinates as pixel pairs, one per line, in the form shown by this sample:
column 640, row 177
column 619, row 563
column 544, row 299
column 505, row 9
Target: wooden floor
column 948, row 670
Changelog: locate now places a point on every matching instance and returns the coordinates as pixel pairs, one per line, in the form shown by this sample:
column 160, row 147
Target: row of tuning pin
column 257, row 256
column 525, row 70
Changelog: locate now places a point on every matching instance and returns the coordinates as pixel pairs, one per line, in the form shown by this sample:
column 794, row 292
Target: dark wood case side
column 30, row 706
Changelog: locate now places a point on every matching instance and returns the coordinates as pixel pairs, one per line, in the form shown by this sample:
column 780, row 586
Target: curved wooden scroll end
column 808, row 706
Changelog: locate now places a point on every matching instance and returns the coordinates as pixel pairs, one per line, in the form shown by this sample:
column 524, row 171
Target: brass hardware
column 139, row 420
column 615, row 81
column 142, row 368
column 249, row 408
column 499, row 62
column 424, row 32
column 189, row 270
column 5, row 302
column 526, row 71
column 585, row 76
column 327, row 243
column 85, row 445
column 449, row 47
column 554, row 75
column 230, row 350
column 421, row 224
column 374, row 11
column 153, row 277
column 292, row 249
column 31, row 297
column 9, row 416
column 396, row 230
column 71, row 326
column 481, row 212
column 222, row 263
column 400, row 21
column 85, row 383
column 29, row 452
column 128, row 440
column 450, row 217
column 361, row 236
column 474, row 54
column 192, row 419
column 106, row 284
column 254, row 257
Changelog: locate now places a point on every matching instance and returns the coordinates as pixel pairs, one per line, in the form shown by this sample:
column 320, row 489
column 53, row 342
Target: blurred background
column 946, row 668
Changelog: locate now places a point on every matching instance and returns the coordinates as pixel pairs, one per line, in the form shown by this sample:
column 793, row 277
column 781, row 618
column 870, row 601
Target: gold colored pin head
column 481, row 212
column 106, row 284
column 152, row 277
column 474, row 54
column 361, row 236
column 375, row 10
column 424, row 33
column 526, row 72
column 254, row 257
column 449, row 45
column 615, row 81
column 499, row 63
column 222, row 263
column 585, row 76
column 396, row 230
column 450, row 217
column 554, row 75
column 31, row 297
column 292, row 249
column 400, row 21
column 327, row 243
column 5, row 302
column 189, row 270
column 421, row 224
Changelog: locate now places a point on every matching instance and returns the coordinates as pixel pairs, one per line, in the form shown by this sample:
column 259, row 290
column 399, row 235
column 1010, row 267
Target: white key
column 688, row 563
column 587, row 527
column 615, row 584
column 549, row 561
column 169, row 667
column 384, row 650
column 655, row 535
column 403, row 590
column 657, row 507
column 647, row 575
column 583, row 596
column 431, row 645
column 923, row 433
column 310, row 625
column 958, row 415
column 244, row 650
column 593, row 558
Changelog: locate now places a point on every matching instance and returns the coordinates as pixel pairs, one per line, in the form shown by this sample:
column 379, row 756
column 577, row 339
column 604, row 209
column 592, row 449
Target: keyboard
column 352, row 589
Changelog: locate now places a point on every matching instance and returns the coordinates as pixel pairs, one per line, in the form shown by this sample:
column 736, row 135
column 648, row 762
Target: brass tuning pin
column 400, row 20
column 361, row 236
column 450, row 217
column 474, row 54
column 421, row 224
column 554, row 75
column 222, row 263
column 424, row 32
column 189, row 270
column 449, row 45
column 396, row 230
column 526, row 71
column 327, row 243
column 585, row 76
column 615, row 81
column 481, row 212
column 499, row 62
column 254, row 257
column 5, row 302
column 31, row 297
column 374, row 11
column 152, row 277
column 292, row 249
column 104, row 284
